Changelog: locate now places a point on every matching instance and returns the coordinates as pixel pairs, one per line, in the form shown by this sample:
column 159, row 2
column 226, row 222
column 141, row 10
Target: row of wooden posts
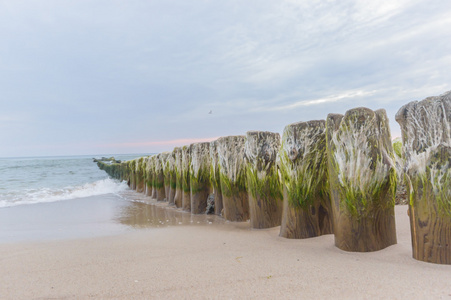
column 329, row 176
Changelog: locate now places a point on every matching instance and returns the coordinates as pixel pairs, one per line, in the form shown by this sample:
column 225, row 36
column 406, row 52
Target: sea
column 64, row 197
column 32, row 180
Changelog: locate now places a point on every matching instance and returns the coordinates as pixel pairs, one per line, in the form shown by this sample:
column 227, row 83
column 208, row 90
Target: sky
column 141, row 76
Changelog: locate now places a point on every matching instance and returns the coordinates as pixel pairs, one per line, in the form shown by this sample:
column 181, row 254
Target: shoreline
column 216, row 262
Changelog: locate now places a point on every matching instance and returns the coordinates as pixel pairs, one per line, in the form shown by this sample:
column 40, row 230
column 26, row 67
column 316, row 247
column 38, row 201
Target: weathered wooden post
column 151, row 177
column 233, row 178
column 362, row 179
column 401, row 192
column 139, row 173
column 170, row 176
column 199, row 177
column 166, row 178
column 186, row 160
column 215, row 177
column 263, row 183
column 426, row 135
column 132, row 170
column 302, row 157
column 178, row 177
column 159, row 176
column 148, row 176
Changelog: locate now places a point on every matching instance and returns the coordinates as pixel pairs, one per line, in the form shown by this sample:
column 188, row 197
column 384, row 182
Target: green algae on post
column 178, row 177
column 199, row 177
column 401, row 191
column 132, row 167
column 151, row 177
column 186, row 160
column 263, row 184
column 170, row 177
column 303, row 165
column 159, row 175
column 215, row 177
column 139, row 173
column 362, row 179
column 426, row 135
column 233, row 178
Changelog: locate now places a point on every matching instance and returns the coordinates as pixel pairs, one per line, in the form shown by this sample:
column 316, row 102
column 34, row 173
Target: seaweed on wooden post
column 147, row 177
column 362, row 179
column 426, row 135
column 159, row 176
column 401, row 192
column 186, row 157
column 215, row 177
column 233, row 178
column 139, row 175
column 132, row 180
column 199, row 177
column 302, row 158
column 263, row 183
column 178, row 177
column 150, row 177
column 170, row 177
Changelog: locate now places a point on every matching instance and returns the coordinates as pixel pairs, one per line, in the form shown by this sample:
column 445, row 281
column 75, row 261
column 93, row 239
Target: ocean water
column 48, row 198
column 31, row 180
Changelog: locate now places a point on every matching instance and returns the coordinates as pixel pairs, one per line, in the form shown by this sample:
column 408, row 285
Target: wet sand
column 94, row 216
column 214, row 260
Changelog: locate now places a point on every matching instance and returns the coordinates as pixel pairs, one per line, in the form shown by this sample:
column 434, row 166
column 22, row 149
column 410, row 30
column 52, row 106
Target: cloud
column 103, row 72
column 332, row 98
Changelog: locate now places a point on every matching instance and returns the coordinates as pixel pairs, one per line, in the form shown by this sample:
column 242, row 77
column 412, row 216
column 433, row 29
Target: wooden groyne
column 336, row 176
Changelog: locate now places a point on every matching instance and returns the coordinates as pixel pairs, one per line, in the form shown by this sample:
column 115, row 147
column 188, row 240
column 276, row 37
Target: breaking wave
column 42, row 195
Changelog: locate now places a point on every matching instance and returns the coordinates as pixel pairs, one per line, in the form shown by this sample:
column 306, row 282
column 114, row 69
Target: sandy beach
column 215, row 260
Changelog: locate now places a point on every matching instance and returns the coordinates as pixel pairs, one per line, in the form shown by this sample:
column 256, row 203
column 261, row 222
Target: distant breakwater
column 338, row 176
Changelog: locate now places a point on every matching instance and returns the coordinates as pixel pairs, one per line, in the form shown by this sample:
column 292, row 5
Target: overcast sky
column 110, row 76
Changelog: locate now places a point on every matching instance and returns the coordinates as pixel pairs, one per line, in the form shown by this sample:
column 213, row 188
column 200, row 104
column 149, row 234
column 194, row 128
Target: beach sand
column 215, row 261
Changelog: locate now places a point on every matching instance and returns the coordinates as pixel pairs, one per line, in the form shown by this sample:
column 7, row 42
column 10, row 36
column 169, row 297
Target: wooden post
column 147, row 176
column 166, row 176
column 215, row 177
column 362, row 179
column 178, row 176
column 233, row 178
column 199, row 177
column 132, row 167
column 186, row 159
column 263, row 183
column 139, row 173
column 170, row 176
column 159, row 176
column 151, row 177
column 426, row 135
column 307, row 209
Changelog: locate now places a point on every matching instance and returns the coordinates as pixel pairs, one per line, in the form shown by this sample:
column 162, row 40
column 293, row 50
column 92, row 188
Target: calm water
column 33, row 180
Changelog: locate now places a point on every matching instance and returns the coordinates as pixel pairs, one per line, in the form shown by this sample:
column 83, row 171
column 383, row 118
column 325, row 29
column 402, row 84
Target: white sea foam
column 42, row 195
